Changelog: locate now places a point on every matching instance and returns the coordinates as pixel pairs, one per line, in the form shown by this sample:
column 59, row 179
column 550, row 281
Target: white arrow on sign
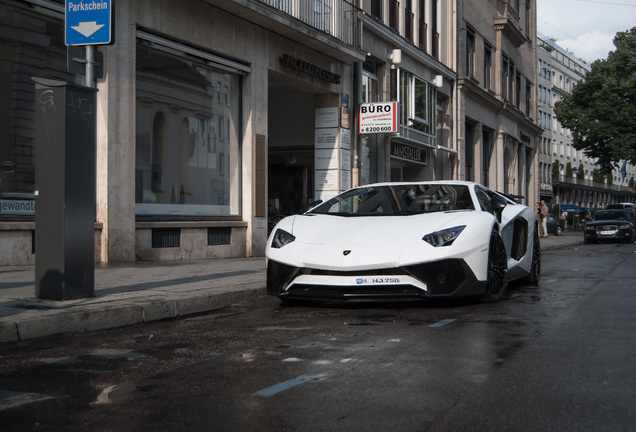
column 87, row 28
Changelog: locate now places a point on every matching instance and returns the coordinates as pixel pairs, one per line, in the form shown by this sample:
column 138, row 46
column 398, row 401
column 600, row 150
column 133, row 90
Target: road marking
column 443, row 322
column 271, row 391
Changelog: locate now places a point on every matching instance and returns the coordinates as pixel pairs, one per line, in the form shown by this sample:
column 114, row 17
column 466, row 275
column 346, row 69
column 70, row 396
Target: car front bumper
column 445, row 278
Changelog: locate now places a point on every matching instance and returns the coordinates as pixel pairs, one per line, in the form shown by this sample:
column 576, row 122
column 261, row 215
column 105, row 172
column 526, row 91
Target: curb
column 40, row 322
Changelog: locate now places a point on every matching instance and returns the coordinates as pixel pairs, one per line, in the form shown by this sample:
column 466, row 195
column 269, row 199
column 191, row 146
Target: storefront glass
column 187, row 147
column 369, row 147
column 32, row 45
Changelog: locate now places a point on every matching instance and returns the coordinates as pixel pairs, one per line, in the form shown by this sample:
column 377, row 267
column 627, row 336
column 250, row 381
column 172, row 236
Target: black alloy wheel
column 535, row 267
column 497, row 269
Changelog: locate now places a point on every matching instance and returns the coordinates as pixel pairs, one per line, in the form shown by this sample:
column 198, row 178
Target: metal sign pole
column 90, row 56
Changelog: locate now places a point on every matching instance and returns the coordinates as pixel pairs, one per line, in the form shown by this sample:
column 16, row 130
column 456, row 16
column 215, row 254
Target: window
column 394, row 15
column 408, row 20
column 376, row 8
column 518, row 90
column 434, row 29
column 369, row 148
column 504, row 77
column 187, row 146
column 21, row 57
column 487, row 66
column 528, row 99
column 470, row 52
column 484, row 200
column 422, row 22
column 417, row 103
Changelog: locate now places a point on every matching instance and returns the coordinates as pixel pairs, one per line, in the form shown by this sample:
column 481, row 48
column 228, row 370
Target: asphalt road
column 551, row 357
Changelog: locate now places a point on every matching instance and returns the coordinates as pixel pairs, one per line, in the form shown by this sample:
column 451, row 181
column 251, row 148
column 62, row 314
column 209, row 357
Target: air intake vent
column 219, row 236
column 166, row 237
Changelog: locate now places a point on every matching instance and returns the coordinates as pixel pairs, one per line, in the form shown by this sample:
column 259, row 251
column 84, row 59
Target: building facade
column 216, row 117
column 567, row 175
column 410, row 49
column 498, row 137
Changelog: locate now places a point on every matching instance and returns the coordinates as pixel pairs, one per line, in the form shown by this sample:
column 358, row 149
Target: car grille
column 441, row 277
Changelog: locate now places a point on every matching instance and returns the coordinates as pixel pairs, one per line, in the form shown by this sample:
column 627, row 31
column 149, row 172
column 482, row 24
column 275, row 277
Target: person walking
column 544, row 218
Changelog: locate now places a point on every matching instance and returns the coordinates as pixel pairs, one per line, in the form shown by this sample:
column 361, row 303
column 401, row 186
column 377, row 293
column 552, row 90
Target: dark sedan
column 610, row 225
column 555, row 226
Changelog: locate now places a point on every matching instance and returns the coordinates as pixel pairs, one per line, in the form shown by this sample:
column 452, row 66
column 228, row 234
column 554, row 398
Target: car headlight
column 626, row 226
column 281, row 238
column 444, row 237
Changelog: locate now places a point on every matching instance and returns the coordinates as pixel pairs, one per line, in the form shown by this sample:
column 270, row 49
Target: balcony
column 337, row 18
column 577, row 183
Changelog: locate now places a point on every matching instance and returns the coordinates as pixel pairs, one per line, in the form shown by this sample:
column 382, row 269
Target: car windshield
column 400, row 199
column 610, row 215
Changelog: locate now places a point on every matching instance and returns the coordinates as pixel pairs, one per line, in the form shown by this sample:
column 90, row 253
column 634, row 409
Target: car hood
column 607, row 222
column 369, row 230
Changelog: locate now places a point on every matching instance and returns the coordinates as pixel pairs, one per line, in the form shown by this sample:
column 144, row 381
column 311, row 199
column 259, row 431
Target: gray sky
column 585, row 27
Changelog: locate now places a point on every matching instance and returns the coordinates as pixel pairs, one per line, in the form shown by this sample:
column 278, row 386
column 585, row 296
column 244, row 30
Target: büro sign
column 377, row 117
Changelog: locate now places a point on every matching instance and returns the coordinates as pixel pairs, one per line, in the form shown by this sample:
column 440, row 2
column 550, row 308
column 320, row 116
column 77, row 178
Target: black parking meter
column 65, row 190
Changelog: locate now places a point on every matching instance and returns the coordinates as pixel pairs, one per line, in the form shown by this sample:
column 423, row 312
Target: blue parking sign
column 88, row 22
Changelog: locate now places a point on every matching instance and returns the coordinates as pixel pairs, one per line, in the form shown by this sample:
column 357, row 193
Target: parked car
column 402, row 241
column 621, row 206
column 555, row 226
column 610, row 225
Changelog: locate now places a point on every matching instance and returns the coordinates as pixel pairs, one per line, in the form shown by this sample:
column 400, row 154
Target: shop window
column 187, row 147
column 32, row 44
column 369, row 163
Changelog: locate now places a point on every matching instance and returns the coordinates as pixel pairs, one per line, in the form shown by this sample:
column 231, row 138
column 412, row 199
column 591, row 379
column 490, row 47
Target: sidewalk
column 133, row 293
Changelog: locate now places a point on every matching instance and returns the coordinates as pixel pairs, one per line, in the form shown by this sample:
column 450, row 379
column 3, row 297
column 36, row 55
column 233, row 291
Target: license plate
column 607, row 233
column 378, row 280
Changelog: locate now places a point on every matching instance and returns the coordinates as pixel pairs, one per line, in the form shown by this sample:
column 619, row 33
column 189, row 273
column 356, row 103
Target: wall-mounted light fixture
column 438, row 81
column 396, row 56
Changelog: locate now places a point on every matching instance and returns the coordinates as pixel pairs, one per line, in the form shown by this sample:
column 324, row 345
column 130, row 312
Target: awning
column 572, row 208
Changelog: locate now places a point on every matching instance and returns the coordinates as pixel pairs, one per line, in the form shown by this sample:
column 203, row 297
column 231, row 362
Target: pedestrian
column 564, row 216
column 537, row 209
column 544, row 218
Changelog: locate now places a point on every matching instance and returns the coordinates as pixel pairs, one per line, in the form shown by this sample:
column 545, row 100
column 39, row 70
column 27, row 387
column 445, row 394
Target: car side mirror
column 498, row 204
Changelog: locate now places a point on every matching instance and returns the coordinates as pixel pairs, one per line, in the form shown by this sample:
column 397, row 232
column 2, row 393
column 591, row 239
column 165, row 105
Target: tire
column 559, row 230
column 535, row 267
column 497, row 269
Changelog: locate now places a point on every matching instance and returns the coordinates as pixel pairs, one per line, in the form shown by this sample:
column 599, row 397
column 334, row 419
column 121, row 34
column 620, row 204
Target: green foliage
column 569, row 171
column 632, row 183
column 556, row 169
column 600, row 111
column 581, row 174
column 598, row 176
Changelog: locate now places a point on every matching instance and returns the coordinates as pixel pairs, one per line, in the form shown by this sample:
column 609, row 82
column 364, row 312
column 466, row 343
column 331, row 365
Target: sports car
column 403, row 241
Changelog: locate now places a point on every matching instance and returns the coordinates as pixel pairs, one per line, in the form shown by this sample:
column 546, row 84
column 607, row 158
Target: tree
column 580, row 174
column 556, row 170
column 600, row 111
column 569, row 171
column 598, row 176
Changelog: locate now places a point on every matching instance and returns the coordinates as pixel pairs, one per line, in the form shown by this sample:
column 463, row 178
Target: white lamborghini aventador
column 400, row 241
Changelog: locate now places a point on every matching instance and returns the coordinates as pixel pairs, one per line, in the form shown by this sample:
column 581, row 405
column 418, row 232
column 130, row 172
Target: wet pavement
column 133, row 293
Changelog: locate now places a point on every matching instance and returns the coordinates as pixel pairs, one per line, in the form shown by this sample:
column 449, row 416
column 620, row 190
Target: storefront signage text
column 311, row 69
column 407, row 152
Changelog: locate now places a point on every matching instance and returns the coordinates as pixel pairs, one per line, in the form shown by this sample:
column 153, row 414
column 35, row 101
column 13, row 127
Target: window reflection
column 187, row 136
